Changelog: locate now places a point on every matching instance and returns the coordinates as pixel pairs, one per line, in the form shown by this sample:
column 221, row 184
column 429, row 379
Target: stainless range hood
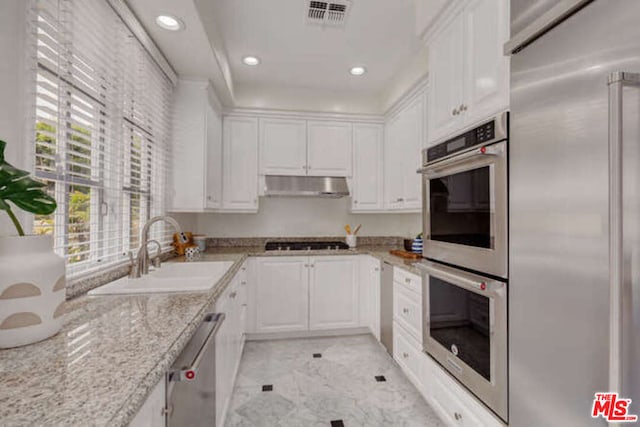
column 306, row 186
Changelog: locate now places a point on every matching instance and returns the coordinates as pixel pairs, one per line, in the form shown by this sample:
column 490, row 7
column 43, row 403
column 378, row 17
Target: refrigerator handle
column 616, row 82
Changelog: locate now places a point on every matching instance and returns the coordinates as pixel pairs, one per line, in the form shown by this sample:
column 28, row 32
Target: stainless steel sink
column 171, row 277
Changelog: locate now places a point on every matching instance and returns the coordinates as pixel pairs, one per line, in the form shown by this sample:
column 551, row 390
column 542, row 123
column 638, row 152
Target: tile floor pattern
column 340, row 386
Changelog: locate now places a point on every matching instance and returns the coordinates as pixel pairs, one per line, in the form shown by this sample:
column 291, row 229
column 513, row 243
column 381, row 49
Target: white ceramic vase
column 32, row 290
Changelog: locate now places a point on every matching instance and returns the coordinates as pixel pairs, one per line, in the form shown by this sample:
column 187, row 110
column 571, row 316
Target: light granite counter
column 113, row 350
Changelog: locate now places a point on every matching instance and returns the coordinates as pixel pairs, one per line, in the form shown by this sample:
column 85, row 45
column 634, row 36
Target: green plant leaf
column 19, row 188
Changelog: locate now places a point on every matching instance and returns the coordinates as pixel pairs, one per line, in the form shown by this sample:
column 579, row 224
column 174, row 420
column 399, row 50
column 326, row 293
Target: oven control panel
column 491, row 131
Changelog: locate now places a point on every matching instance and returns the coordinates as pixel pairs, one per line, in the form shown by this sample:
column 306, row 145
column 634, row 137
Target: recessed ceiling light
column 357, row 71
column 169, row 22
column 251, row 60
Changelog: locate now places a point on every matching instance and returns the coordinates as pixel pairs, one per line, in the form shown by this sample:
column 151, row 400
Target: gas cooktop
column 305, row 246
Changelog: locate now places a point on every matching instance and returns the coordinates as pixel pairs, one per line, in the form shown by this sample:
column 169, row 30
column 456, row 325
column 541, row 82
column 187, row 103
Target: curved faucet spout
column 143, row 252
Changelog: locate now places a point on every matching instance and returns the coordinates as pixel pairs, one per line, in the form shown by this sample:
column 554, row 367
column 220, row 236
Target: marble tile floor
column 331, row 382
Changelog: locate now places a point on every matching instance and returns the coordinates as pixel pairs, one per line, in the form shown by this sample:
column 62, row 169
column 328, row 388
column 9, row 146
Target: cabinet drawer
column 407, row 310
column 410, row 280
column 407, row 352
column 454, row 403
column 454, row 412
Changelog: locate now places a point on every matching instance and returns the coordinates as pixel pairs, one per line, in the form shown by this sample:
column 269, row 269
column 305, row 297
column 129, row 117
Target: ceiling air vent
column 332, row 13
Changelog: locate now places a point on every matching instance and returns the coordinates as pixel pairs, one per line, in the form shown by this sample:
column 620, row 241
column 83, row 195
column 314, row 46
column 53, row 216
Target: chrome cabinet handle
column 462, row 108
column 405, row 310
column 405, row 355
column 616, row 82
column 243, row 283
column 233, row 294
column 454, row 112
column 399, row 199
column 407, row 280
column 457, row 416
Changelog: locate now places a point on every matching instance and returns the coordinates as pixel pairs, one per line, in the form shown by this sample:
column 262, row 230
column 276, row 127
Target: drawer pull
column 457, row 416
column 243, row 283
column 405, row 310
column 405, row 355
column 232, row 294
column 407, row 280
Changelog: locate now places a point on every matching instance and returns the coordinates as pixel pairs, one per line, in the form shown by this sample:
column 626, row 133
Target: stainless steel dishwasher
column 386, row 307
column 191, row 381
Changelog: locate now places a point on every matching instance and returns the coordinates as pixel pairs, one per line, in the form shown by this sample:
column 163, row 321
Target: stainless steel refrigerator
column 574, row 308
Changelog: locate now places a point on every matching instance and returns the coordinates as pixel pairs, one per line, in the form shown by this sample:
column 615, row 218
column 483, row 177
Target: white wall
column 281, row 216
column 12, row 95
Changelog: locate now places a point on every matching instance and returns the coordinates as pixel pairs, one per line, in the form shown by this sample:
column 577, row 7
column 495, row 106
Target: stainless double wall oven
column 465, row 219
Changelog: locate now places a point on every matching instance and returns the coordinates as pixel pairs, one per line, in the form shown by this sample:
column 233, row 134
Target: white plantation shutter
column 101, row 131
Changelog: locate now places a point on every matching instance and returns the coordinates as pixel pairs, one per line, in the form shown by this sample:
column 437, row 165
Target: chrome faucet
column 141, row 265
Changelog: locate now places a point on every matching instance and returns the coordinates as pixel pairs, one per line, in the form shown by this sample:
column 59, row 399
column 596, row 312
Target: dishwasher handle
column 189, row 373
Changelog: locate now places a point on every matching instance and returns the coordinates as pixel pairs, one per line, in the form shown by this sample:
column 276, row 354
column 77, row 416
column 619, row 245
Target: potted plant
column 32, row 276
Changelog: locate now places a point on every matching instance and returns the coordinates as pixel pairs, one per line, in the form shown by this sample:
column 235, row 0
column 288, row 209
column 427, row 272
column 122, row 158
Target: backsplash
column 222, row 242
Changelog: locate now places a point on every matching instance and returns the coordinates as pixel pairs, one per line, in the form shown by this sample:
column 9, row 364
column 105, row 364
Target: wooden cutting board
column 405, row 254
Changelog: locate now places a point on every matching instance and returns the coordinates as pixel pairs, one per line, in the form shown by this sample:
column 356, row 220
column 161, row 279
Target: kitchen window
column 101, row 123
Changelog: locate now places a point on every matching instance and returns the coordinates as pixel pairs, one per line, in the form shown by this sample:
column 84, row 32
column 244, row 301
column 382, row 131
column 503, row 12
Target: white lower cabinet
column 282, row 294
column 406, row 351
column 305, row 293
column 229, row 341
column 151, row 413
column 370, row 294
column 333, row 292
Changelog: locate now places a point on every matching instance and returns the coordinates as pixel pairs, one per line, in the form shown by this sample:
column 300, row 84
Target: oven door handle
column 487, row 287
column 485, row 151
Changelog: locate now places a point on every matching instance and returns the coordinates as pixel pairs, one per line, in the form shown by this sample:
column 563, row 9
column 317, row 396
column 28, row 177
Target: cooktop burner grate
column 304, row 246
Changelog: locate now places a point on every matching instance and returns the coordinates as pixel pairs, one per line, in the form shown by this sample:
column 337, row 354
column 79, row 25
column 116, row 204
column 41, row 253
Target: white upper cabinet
column 197, row 149
column 328, row 148
column 367, row 182
column 283, row 147
column 214, row 160
column 333, row 292
column 413, row 142
column 469, row 75
column 486, row 25
column 240, row 153
column 393, row 176
column 445, row 80
column 404, row 140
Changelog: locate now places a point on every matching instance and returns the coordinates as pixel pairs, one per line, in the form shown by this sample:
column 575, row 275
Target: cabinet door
column 370, row 294
column 393, row 175
column 445, row 80
column 240, row 153
column 413, row 141
column 283, row 147
column 333, row 292
column 188, row 148
column 329, row 149
column 367, row 167
column 213, row 160
column 486, row 80
column 282, row 294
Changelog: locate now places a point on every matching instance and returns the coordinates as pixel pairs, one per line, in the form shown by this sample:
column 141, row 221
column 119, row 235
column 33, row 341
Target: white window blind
column 101, row 131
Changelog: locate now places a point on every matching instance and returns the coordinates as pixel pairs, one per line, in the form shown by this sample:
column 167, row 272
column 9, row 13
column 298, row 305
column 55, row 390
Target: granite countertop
column 113, row 350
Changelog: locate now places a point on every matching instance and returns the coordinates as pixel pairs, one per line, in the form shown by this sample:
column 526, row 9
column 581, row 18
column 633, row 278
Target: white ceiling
column 297, row 57
column 379, row 34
